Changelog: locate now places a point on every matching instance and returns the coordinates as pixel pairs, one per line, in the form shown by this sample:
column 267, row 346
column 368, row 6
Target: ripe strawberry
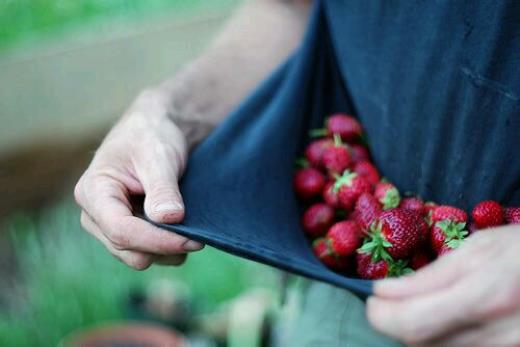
column 448, row 229
column 387, row 194
column 370, row 269
column 367, row 210
column 454, row 214
column 336, row 158
column 330, row 195
column 512, row 215
column 368, row 171
column 359, row 153
column 314, row 151
column 488, row 214
column 413, row 203
column 308, row 183
column 420, row 259
column 317, row 219
column 344, row 238
column 322, row 249
column 396, row 234
column 346, row 126
column 349, row 187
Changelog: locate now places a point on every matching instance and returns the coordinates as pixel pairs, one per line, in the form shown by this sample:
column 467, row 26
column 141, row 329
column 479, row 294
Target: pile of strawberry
column 360, row 225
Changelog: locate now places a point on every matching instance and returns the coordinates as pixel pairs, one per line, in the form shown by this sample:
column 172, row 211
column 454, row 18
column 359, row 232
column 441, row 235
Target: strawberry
column 370, row 269
column 308, row 183
column 396, row 234
column 512, row 215
column 443, row 212
column 336, row 158
column 367, row 210
column 314, row 151
column 359, row 153
column 322, row 249
column 330, row 195
column 488, row 214
column 317, row 219
column 346, row 126
column 413, row 203
column 448, row 229
column 344, row 238
column 368, row 171
column 349, row 187
column 387, row 194
column 420, row 259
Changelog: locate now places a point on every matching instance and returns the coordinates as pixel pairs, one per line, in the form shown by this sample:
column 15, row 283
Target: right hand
column 145, row 153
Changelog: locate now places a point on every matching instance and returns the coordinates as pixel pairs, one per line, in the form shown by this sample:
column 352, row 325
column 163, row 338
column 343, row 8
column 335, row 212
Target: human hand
column 469, row 297
column 145, row 153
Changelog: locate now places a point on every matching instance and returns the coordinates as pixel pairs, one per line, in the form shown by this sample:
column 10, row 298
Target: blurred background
column 68, row 69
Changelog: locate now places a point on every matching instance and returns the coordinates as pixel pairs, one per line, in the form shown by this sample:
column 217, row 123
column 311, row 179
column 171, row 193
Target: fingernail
column 168, row 207
column 191, row 246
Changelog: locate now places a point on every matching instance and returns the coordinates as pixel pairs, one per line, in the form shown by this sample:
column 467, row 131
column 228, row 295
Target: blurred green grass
column 22, row 20
column 69, row 280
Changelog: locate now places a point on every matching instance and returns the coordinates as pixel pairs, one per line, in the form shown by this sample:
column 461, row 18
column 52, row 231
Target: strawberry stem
column 301, row 163
column 318, row 132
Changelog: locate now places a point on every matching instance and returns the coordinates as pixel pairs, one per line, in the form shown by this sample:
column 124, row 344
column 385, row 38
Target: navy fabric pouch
column 238, row 185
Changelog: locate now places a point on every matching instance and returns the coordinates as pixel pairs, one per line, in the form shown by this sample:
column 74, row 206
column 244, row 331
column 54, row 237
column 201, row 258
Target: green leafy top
column 345, row 179
column 454, row 232
column 376, row 244
column 392, row 199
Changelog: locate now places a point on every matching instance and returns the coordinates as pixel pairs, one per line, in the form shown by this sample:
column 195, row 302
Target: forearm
column 258, row 37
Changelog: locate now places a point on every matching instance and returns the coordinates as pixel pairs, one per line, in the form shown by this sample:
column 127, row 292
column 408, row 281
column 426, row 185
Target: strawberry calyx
column 321, row 132
column 345, row 179
column 454, row 232
column 391, row 199
column 376, row 244
column 301, row 163
column 399, row 268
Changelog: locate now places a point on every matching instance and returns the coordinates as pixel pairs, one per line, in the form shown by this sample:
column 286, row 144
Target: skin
column 469, row 297
column 146, row 151
column 459, row 300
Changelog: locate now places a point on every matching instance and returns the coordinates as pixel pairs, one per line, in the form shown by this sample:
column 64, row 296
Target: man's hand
column 469, row 297
column 145, row 153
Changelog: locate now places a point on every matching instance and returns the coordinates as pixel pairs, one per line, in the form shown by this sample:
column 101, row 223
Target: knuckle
column 78, row 188
column 120, row 239
column 139, row 262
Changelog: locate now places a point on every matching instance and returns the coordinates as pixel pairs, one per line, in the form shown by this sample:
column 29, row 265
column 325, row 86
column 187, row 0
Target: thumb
column 163, row 201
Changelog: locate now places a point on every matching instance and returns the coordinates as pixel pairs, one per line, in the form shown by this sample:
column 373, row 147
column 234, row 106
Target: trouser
column 320, row 315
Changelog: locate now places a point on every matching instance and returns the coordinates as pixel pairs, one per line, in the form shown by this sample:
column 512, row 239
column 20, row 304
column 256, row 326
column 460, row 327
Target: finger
column 110, row 210
column 136, row 260
column 170, row 260
column 421, row 318
column 502, row 332
column 159, row 177
column 442, row 273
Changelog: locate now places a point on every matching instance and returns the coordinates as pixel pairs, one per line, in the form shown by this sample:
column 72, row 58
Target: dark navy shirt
column 437, row 86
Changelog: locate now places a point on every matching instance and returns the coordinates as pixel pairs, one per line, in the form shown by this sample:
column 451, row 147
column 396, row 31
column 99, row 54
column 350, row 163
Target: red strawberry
column 308, row 183
column 396, row 234
column 368, row 171
column 336, row 158
column 367, row 210
column 420, row 259
column 369, row 269
column 330, row 195
column 322, row 250
column 314, row 151
column 344, row 238
column 387, row 194
column 413, row 203
column 448, row 229
column 488, row 214
column 346, row 126
column 317, row 219
column 359, row 153
column 512, row 215
column 349, row 187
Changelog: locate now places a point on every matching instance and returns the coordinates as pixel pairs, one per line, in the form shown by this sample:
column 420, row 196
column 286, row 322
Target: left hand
column 469, row 297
